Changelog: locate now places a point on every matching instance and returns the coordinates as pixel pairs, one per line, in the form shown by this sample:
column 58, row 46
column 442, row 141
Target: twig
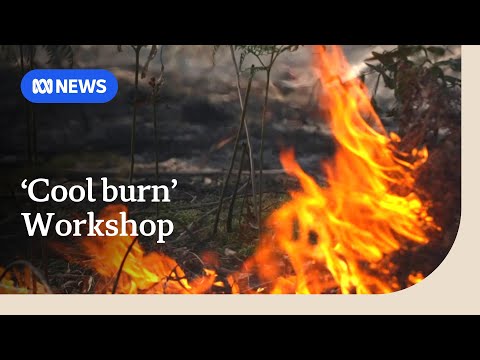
column 376, row 88
column 235, row 190
column 161, row 55
column 199, row 206
column 137, row 49
column 185, row 227
column 27, row 114
column 247, row 133
column 156, row 145
column 245, row 196
column 80, row 175
column 32, row 268
column 176, row 278
column 208, row 204
column 197, row 231
column 130, row 247
column 33, row 117
column 198, row 258
column 190, row 226
column 275, row 53
column 151, row 56
column 232, row 162
column 237, row 74
column 264, row 114
column 201, row 217
column 155, row 90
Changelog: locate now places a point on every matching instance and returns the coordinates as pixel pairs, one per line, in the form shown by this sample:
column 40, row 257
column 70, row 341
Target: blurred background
column 198, row 111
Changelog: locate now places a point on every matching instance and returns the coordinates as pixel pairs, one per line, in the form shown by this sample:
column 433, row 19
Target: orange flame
column 141, row 273
column 7, row 285
column 415, row 278
column 338, row 238
column 18, row 281
column 341, row 236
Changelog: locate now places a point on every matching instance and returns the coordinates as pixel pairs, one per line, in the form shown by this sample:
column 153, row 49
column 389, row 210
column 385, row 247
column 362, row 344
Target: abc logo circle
column 69, row 86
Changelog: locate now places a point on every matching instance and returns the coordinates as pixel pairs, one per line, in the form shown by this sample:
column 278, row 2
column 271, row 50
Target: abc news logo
column 69, row 86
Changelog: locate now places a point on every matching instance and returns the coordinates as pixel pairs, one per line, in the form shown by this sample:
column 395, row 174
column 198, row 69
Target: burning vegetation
column 349, row 235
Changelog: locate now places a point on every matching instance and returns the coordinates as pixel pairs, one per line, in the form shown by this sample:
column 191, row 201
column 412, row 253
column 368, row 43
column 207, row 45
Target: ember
column 342, row 236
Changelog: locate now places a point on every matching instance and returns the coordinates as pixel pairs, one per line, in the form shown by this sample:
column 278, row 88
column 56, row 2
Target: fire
column 341, row 236
column 415, row 278
column 7, row 285
column 141, row 273
column 337, row 238
column 19, row 281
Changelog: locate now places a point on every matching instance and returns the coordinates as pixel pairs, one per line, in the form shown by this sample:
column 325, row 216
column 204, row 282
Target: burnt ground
column 198, row 111
column 196, row 114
